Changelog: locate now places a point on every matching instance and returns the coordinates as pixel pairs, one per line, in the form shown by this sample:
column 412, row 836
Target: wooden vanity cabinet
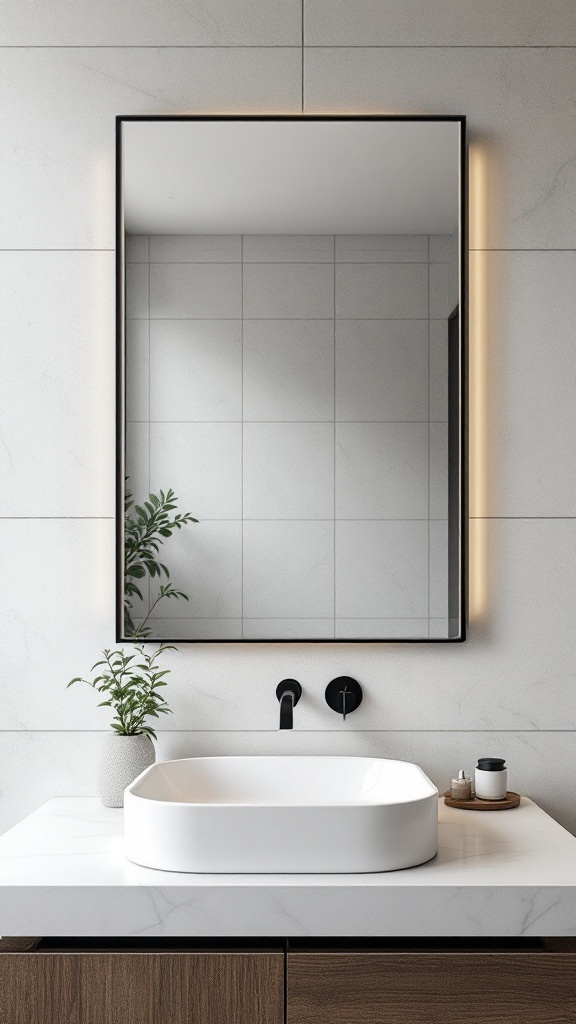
column 286, row 982
column 136, row 987
column 368, row 987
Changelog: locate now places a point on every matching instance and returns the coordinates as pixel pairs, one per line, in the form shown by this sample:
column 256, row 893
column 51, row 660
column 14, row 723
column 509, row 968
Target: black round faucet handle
column 289, row 686
column 338, row 694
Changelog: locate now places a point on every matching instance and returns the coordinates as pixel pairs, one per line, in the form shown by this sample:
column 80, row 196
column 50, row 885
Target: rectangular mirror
column 291, row 388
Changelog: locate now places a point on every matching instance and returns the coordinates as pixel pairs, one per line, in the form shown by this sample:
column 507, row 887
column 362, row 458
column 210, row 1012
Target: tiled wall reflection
column 292, row 390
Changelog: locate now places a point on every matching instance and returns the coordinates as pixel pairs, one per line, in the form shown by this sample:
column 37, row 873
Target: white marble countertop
column 63, row 872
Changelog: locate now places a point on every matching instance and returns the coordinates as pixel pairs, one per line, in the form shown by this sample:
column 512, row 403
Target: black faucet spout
column 287, row 711
column 288, row 693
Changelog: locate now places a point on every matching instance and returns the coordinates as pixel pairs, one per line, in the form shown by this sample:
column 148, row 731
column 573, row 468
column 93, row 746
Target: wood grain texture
column 17, row 945
column 142, row 988
column 475, row 804
column 428, row 988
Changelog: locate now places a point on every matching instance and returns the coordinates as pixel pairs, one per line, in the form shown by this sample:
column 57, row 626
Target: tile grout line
column 288, row 618
column 522, row 47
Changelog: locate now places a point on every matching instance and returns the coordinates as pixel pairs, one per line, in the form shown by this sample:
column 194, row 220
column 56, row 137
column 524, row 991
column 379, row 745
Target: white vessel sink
column 281, row 814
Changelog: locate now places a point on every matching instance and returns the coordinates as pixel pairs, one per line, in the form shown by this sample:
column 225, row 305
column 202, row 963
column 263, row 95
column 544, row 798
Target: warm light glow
column 478, row 384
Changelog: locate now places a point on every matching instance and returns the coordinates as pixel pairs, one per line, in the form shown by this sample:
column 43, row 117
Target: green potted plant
column 132, row 686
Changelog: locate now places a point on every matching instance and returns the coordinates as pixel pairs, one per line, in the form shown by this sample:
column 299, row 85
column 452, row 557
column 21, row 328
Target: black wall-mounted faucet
column 288, row 693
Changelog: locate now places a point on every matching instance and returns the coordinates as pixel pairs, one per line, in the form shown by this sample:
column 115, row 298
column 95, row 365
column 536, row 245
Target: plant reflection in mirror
column 145, row 528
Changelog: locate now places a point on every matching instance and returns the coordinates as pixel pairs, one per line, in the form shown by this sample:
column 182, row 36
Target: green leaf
column 138, row 571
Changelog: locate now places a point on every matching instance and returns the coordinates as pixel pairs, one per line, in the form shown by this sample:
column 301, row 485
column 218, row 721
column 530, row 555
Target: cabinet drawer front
column 426, row 988
column 141, row 988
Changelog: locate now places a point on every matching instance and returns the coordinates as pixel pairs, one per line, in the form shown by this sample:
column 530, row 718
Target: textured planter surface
column 121, row 761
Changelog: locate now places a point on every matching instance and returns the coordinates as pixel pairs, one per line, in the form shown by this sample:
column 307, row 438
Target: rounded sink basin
column 281, row 815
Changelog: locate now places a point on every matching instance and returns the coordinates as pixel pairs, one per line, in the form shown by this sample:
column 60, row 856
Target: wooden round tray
column 512, row 800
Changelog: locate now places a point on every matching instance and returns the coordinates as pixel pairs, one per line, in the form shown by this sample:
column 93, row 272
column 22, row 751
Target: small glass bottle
column 461, row 788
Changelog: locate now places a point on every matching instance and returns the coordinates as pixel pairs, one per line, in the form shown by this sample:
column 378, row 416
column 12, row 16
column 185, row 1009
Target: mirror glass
column 290, row 413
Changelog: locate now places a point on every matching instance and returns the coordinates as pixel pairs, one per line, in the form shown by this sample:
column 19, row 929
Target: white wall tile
column 202, row 463
column 438, row 470
column 288, row 569
column 438, row 539
column 57, row 608
column 382, row 471
column 381, row 569
column 443, row 284
column 439, row 628
column 144, row 23
column 57, row 390
column 522, row 409
column 288, row 248
column 288, row 629
column 382, row 370
column 196, row 369
column 288, row 370
column 392, row 291
column 137, row 291
column 36, row 766
column 205, row 561
column 438, row 369
column 59, row 107
column 207, row 290
column 137, row 248
column 443, row 248
column 175, row 628
column 137, row 355
column 288, row 471
column 381, row 248
column 371, row 629
column 518, row 106
column 137, row 459
column 440, row 23
column 195, row 248
column 299, row 290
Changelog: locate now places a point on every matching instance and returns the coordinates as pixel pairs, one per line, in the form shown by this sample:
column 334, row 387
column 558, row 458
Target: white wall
column 67, row 68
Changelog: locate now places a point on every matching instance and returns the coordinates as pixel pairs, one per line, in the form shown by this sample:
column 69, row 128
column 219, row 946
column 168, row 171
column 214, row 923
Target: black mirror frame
column 462, row 540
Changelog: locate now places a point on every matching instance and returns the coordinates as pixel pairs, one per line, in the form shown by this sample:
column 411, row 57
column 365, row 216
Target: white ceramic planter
column 122, row 759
